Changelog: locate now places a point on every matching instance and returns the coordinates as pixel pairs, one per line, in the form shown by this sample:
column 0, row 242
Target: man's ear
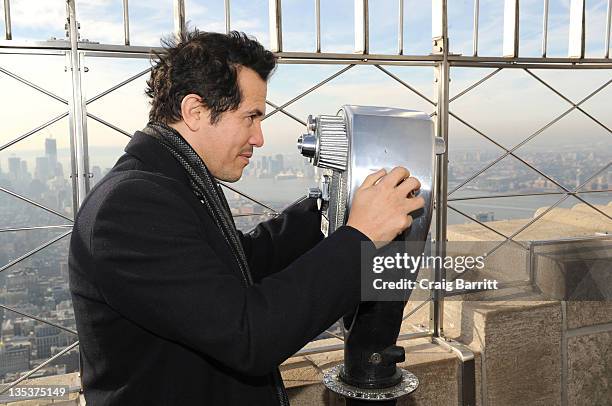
column 193, row 111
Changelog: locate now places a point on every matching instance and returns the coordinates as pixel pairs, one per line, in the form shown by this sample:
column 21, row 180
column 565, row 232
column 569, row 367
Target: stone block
column 588, row 313
column 574, row 270
column 589, row 369
column 522, row 342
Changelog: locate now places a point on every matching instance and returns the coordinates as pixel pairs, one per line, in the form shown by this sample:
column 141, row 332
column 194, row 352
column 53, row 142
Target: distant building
column 279, row 164
column 21, row 279
column 43, row 171
column 97, row 174
column 485, row 216
column 14, row 358
column 51, row 153
column 64, row 269
column 14, row 165
column 45, row 337
column 69, row 361
column 24, row 170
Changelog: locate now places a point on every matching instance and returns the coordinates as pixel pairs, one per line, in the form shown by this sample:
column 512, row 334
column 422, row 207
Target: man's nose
column 257, row 138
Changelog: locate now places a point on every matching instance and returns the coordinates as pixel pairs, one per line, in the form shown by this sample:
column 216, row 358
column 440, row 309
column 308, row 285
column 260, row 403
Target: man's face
column 227, row 146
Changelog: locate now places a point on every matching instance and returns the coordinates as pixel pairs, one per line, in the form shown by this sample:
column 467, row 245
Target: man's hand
column 382, row 205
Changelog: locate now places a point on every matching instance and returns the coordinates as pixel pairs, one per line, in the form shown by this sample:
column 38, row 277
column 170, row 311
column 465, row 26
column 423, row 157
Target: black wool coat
column 162, row 313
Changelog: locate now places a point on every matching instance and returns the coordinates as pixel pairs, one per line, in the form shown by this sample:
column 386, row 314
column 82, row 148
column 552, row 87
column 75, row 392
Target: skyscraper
column 43, row 170
column 51, row 154
column 24, row 170
column 14, row 164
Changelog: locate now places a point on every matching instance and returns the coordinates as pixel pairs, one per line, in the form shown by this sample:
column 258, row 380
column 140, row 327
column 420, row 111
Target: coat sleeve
column 154, row 266
column 274, row 244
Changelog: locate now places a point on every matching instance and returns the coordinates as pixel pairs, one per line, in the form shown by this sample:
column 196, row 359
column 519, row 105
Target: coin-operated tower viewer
column 348, row 147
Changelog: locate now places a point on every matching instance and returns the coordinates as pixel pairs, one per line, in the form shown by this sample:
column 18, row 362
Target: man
column 174, row 306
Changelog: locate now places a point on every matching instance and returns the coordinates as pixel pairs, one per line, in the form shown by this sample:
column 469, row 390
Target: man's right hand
column 382, row 205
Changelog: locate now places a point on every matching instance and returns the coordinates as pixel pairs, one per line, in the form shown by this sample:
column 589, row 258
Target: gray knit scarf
column 208, row 191
column 205, row 187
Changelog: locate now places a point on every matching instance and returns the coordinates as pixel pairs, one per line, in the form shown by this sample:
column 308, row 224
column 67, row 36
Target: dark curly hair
column 206, row 64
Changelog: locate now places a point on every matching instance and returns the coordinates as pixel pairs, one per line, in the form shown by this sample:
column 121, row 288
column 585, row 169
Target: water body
column 282, row 192
column 508, row 208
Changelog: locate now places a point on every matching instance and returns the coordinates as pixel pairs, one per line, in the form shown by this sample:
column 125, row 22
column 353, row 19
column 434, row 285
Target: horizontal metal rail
column 252, row 215
column 569, row 240
column 143, row 52
column 110, row 50
column 459, row 199
column 543, row 66
column 9, row 230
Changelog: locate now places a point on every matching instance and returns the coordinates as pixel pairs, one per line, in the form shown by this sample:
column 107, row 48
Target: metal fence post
column 126, row 22
column 442, row 68
column 362, row 27
column 179, row 18
column 276, row 25
column 8, row 35
column 77, row 116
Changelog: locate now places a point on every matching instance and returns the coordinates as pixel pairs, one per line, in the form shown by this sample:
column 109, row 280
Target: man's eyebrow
column 255, row 112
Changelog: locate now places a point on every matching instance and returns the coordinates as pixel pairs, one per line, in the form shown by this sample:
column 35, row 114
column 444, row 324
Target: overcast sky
column 509, row 107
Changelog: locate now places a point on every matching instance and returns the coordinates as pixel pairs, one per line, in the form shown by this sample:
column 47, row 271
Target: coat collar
column 152, row 153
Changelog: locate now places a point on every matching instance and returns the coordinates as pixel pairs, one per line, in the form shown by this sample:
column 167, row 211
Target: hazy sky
column 509, row 107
